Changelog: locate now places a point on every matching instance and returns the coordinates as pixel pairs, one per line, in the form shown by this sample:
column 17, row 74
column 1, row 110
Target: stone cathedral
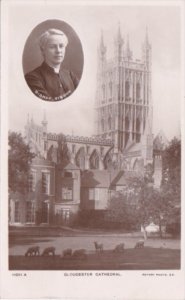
column 124, row 102
column 122, row 144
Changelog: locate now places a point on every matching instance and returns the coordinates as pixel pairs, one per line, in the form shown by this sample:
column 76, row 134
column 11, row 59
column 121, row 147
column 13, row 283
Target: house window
column 96, row 194
column 67, row 193
column 68, row 174
column 17, row 211
column 29, row 212
column 46, row 183
column 65, row 214
column 32, row 181
column 93, row 194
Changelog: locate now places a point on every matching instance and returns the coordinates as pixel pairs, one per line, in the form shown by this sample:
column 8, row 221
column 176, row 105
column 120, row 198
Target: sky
column 75, row 115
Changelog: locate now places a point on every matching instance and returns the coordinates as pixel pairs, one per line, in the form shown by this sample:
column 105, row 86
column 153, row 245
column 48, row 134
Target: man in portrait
column 50, row 81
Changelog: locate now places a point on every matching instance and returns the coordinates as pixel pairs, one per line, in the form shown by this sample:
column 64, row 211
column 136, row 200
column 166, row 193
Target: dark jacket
column 51, row 86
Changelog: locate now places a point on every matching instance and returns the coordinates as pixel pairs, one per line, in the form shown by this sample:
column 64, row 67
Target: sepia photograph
column 92, row 186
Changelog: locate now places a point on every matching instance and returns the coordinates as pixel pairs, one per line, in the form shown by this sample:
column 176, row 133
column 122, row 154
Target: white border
column 43, row 284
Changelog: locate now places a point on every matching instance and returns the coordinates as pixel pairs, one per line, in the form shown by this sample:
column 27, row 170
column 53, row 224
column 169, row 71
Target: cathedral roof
column 132, row 147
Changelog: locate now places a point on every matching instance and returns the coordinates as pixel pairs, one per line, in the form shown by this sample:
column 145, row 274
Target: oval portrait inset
column 53, row 60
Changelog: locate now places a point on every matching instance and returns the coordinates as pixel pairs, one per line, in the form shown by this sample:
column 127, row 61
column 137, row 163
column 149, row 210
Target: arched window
column 110, row 89
column 127, row 89
column 102, row 125
column 80, row 158
column 109, row 123
column 94, row 160
column 108, row 160
column 138, row 135
column 127, row 124
column 136, row 165
column 103, row 91
column 138, row 123
column 138, row 91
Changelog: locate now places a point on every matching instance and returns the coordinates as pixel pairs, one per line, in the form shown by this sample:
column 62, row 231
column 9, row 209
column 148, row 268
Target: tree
column 140, row 192
column 120, row 213
column 160, row 206
column 19, row 161
column 171, row 181
column 63, row 156
column 60, row 154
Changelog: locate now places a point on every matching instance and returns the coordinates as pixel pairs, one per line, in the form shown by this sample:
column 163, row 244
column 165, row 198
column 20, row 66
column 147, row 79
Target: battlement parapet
column 82, row 139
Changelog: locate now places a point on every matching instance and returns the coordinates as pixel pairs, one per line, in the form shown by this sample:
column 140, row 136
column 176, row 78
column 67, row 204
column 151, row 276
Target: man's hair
column 44, row 37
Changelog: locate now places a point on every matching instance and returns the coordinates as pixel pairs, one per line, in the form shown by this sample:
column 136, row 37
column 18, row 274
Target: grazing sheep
column 119, row 248
column 48, row 251
column 81, row 253
column 98, row 247
column 139, row 244
column 32, row 251
column 67, row 252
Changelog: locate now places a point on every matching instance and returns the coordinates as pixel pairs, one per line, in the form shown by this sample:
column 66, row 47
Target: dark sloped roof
column 103, row 178
column 95, row 178
column 41, row 161
column 119, row 179
column 71, row 166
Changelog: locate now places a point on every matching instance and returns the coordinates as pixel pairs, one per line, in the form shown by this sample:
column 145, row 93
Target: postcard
column 92, row 150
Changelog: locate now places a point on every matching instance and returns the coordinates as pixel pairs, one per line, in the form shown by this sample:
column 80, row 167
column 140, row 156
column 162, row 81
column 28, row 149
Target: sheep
column 119, row 248
column 67, row 252
column 32, row 251
column 98, row 247
column 48, row 251
column 139, row 244
column 80, row 253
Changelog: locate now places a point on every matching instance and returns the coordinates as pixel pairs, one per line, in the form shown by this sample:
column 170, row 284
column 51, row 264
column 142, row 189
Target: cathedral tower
column 123, row 97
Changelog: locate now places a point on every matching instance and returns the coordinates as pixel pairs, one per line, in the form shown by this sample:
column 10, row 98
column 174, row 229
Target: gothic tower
column 123, row 97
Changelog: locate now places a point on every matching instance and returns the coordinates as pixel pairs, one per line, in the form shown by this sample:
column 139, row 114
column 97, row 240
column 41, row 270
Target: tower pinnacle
column 118, row 44
column 102, row 48
column 146, row 51
column 44, row 122
column 128, row 51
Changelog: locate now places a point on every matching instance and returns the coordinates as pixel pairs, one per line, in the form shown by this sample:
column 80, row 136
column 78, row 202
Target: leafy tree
column 140, row 192
column 160, row 206
column 60, row 154
column 171, row 183
column 171, row 158
column 63, row 156
column 120, row 213
column 19, row 161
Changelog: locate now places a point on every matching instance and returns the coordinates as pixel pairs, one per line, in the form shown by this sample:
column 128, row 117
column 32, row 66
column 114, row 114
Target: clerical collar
column 56, row 70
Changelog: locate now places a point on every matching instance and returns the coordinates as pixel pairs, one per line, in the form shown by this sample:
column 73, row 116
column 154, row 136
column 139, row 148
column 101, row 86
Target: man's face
column 54, row 50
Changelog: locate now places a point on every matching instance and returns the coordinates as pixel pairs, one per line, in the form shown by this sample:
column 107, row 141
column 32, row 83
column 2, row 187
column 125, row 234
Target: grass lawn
column 132, row 259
